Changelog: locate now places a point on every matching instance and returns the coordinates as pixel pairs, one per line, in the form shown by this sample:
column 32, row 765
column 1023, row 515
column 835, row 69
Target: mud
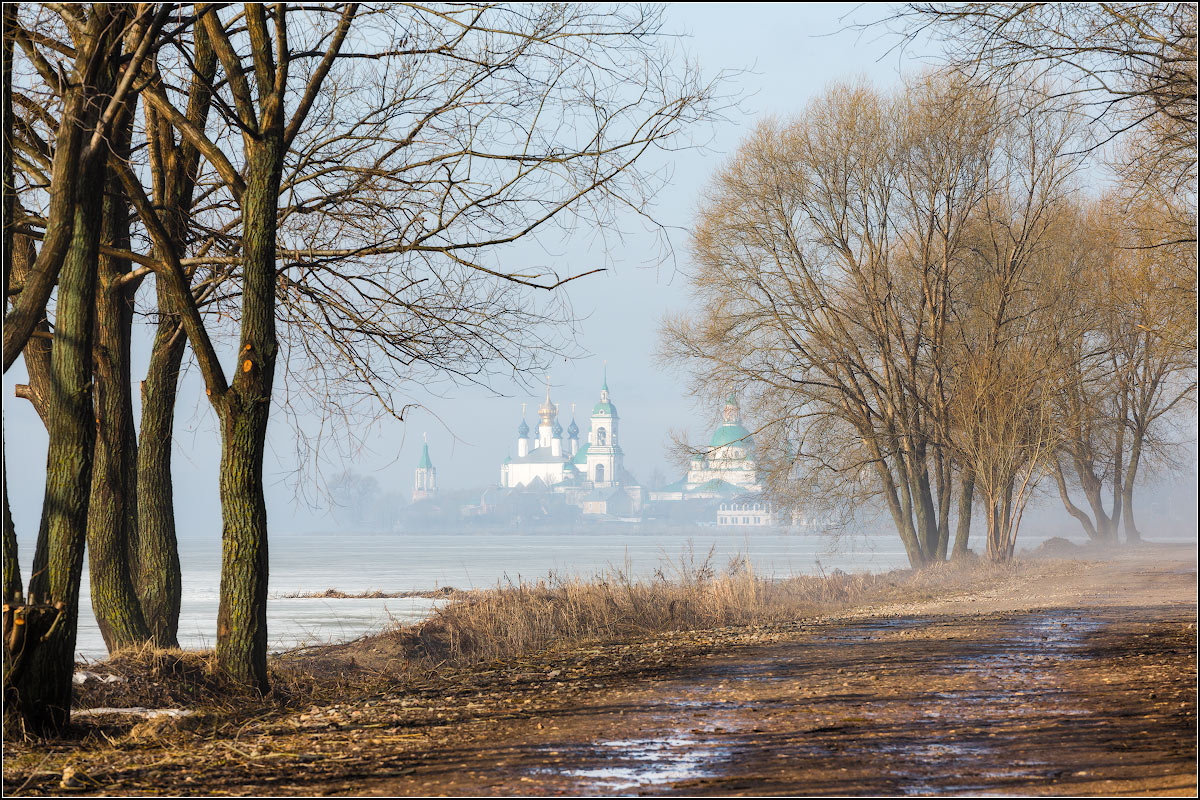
column 1085, row 684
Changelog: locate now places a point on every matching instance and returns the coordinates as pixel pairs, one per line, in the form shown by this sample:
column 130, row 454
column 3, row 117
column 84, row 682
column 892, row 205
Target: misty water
column 395, row 562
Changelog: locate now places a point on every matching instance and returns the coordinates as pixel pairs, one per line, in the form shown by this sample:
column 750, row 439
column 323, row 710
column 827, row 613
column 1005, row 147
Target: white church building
column 592, row 474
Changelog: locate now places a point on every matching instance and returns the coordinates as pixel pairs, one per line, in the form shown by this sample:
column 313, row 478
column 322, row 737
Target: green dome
column 604, row 409
column 731, row 433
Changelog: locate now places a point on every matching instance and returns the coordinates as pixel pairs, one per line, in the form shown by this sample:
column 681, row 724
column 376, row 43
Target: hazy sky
column 787, row 54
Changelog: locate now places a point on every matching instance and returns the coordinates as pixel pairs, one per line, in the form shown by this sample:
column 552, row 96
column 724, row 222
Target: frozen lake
column 393, row 562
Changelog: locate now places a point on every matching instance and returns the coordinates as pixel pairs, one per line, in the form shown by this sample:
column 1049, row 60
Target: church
column 591, row 474
column 726, row 473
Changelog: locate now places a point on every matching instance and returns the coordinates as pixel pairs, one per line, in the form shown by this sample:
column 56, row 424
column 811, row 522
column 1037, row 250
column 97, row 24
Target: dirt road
column 1080, row 682
column 1083, row 686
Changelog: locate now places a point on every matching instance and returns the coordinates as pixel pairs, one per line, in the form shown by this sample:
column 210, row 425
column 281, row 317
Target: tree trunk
column 1000, row 543
column 12, row 566
column 926, row 510
column 1075, row 511
column 157, row 571
column 1093, row 490
column 1006, row 518
column 965, row 497
column 244, row 411
column 945, row 492
column 112, row 518
column 173, row 168
column 900, row 509
column 1118, row 488
column 1132, row 534
column 40, row 687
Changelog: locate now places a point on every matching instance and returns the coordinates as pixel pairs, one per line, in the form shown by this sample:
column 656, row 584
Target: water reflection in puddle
column 629, row 764
column 1017, row 662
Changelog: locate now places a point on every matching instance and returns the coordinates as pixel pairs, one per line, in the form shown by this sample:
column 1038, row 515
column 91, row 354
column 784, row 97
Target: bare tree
column 1134, row 359
column 1130, row 66
column 422, row 141
column 1015, row 308
column 826, row 253
column 1154, row 293
column 875, row 276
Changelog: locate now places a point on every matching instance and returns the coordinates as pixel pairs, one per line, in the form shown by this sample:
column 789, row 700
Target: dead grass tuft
column 153, row 677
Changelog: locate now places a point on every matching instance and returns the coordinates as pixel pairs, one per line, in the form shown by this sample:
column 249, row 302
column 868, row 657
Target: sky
column 782, row 54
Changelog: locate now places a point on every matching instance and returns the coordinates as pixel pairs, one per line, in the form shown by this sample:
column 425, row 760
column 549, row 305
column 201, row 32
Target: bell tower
column 604, row 456
column 425, row 478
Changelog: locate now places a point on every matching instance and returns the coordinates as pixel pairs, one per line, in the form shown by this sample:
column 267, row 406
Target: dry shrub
column 154, row 677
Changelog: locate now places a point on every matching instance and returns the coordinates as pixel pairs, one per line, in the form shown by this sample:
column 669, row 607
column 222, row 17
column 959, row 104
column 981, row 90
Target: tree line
column 321, row 192
column 930, row 299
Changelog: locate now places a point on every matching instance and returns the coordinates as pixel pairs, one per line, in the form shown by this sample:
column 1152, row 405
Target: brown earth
column 1076, row 678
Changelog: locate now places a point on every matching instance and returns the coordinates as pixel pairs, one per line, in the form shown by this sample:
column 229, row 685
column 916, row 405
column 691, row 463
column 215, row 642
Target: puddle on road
column 674, row 755
column 959, row 760
column 641, row 763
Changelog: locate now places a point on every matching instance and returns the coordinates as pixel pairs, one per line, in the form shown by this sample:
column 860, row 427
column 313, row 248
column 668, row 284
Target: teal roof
column 581, row 456
column 719, row 486
column 604, row 408
column 730, row 433
column 425, row 462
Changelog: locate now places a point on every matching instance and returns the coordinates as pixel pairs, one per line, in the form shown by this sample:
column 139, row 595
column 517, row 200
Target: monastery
column 722, row 485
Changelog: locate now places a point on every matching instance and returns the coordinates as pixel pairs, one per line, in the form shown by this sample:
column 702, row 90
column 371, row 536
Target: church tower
column 604, row 456
column 523, row 447
column 572, row 435
column 425, row 480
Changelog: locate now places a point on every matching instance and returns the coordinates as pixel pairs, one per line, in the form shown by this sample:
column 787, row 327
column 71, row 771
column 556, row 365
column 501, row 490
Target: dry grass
column 520, row 619
column 689, row 594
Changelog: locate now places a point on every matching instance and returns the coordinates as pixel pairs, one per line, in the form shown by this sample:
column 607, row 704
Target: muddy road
column 1025, row 703
column 1093, row 692
column 1080, row 681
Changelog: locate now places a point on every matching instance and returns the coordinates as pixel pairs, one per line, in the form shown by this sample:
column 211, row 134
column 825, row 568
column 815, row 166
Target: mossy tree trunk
column 112, row 517
column 156, row 553
column 173, row 168
column 41, row 686
column 244, row 411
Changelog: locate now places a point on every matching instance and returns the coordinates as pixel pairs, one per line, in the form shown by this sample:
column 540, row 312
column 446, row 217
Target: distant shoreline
column 375, row 594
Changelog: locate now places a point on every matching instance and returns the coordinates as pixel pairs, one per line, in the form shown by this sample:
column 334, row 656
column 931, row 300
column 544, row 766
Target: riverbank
column 1047, row 676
